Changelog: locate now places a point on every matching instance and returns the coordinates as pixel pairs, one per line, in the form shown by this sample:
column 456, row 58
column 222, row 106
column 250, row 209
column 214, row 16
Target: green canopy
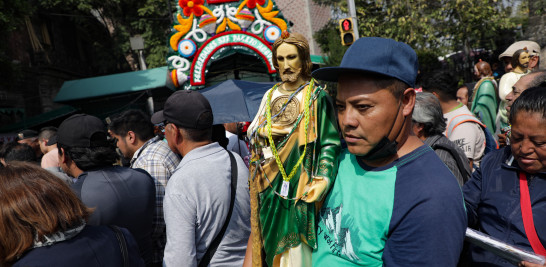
column 128, row 82
column 317, row 59
column 36, row 120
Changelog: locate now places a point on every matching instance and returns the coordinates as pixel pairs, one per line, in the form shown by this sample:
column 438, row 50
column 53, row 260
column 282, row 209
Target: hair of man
column 442, row 82
column 198, row 135
column 428, row 111
column 302, row 45
column 132, row 120
column 19, row 152
column 34, row 203
column 47, row 133
column 87, row 158
column 539, row 79
column 515, row 58
column 531, row 100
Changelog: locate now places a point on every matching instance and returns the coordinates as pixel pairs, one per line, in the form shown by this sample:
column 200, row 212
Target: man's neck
column 138, row 144
column 51, row 147
column 187, row 147
column 449, row 106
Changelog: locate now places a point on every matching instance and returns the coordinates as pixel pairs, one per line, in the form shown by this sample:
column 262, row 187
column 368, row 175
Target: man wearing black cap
column 30, row 137
column 198, row 196
column 394, row 202
column 120, row 196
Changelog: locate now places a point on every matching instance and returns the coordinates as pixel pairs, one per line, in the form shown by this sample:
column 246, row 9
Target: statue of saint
column 295, row 144
column 484, row 99
column 520, row 62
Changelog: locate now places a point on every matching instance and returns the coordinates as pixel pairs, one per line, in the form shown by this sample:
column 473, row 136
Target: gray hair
column 537, row 80
column 428, row 111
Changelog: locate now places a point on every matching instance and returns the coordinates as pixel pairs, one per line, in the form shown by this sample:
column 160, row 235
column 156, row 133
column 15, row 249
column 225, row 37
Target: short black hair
column 199, row 135
column 530, row 100
column 442, row 82
column 47, row 133
column 19, row 152
column 132, row 120
column 92, row 157
column 395, row 86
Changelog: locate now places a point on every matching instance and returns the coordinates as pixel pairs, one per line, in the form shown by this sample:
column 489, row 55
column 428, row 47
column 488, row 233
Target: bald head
column 530, row 80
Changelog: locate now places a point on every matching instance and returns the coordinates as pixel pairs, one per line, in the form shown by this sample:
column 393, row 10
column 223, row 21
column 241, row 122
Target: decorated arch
column 204, row 29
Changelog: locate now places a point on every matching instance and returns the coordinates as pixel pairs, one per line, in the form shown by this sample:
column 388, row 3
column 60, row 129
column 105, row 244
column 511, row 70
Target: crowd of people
column 418, row 167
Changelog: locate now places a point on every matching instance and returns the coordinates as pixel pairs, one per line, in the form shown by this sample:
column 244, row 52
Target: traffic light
column 347, row 32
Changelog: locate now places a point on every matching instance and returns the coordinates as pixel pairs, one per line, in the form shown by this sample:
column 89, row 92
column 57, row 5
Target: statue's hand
column 316, row 190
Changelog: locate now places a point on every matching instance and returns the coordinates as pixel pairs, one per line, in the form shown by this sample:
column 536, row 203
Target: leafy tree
column 333, row 50
column 435, row 26
column 12, row 13
column 119, row 20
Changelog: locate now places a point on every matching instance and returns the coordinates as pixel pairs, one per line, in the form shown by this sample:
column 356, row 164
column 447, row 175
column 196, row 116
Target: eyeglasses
column 162, row 126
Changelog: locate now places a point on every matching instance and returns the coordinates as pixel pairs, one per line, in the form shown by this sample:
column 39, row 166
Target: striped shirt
column 159, row 161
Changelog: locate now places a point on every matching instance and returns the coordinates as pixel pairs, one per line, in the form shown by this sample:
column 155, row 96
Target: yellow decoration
column 183, row 28
column 269, row 15
column 222, row 26
column 208, row 11
column 233, row 26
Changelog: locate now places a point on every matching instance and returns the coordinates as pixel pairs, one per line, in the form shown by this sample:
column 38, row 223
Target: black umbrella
column 235, row 100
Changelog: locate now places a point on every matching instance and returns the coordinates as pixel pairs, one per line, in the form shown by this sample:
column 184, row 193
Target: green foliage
column 120, row 20
column 12, row 13
column 334, row 51
column 437, row 26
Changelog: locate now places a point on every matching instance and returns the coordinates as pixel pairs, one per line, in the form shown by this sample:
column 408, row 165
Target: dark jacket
column 437, row 142
column 94, row 246
column 492, row 200
column 122, row 197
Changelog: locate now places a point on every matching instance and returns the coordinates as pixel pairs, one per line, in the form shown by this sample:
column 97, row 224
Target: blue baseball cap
column 375, row 55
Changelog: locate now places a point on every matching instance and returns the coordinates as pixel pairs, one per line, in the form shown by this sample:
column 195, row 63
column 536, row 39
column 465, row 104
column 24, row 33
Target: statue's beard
column 291, row 76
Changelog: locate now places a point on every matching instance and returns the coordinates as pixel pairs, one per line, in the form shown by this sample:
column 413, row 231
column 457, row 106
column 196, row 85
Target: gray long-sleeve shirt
column 196, row 205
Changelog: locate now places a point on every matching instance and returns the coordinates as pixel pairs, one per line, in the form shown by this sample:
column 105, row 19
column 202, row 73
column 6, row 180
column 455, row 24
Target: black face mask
column 385, row 147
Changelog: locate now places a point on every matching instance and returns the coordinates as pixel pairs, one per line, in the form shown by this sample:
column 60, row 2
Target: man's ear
column 408, row 101
column 175, row 133
column 131, row 137
column 63, row 158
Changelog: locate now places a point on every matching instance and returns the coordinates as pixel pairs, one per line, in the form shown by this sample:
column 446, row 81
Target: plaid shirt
column 159, row 161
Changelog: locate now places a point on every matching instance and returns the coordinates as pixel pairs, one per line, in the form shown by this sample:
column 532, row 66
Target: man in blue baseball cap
column 394, row 202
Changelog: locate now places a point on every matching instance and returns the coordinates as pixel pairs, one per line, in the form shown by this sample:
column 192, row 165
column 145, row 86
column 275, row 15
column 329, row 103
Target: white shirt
column 240, row 149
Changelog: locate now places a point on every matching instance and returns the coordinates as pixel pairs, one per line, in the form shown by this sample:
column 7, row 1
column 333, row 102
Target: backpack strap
column 207, row 257
column 457, row 159
column 122, row 244
column 457, row 120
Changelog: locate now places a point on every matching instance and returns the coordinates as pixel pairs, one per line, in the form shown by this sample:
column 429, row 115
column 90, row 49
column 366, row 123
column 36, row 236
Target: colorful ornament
column 272, row 33
column 178, row 77
column 208, row 24
column 245, row 18
column 192, row 7
column 187, row 48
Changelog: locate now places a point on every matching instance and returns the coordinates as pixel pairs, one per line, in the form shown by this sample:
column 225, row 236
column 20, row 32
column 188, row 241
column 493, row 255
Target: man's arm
column 180, row 218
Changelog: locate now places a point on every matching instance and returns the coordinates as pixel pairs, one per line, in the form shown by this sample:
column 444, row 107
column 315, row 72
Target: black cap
column 77, row 131
column 26, row 134
column 183, row 108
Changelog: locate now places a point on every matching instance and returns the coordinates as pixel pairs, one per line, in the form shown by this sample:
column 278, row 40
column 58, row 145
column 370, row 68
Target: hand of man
column 528, row 264
column 502, row 140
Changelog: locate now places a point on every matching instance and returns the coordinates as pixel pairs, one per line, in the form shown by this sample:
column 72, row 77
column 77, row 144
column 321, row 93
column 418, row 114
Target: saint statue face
column 524, row 59
column 290, row 64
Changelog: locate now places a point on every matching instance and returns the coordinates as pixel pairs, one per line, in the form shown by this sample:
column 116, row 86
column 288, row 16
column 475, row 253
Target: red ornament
column 285, row 34
column 252, row 3
column 191, row 6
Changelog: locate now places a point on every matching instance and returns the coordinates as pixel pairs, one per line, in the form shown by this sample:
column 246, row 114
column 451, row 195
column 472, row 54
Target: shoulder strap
column 457, row 120
column 122, row 244
column 207, row 257
column 527, row 215
column 457, row 158
column 77, row 186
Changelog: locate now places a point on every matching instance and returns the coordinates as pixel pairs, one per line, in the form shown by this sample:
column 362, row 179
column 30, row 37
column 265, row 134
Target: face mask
column 385, row 147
